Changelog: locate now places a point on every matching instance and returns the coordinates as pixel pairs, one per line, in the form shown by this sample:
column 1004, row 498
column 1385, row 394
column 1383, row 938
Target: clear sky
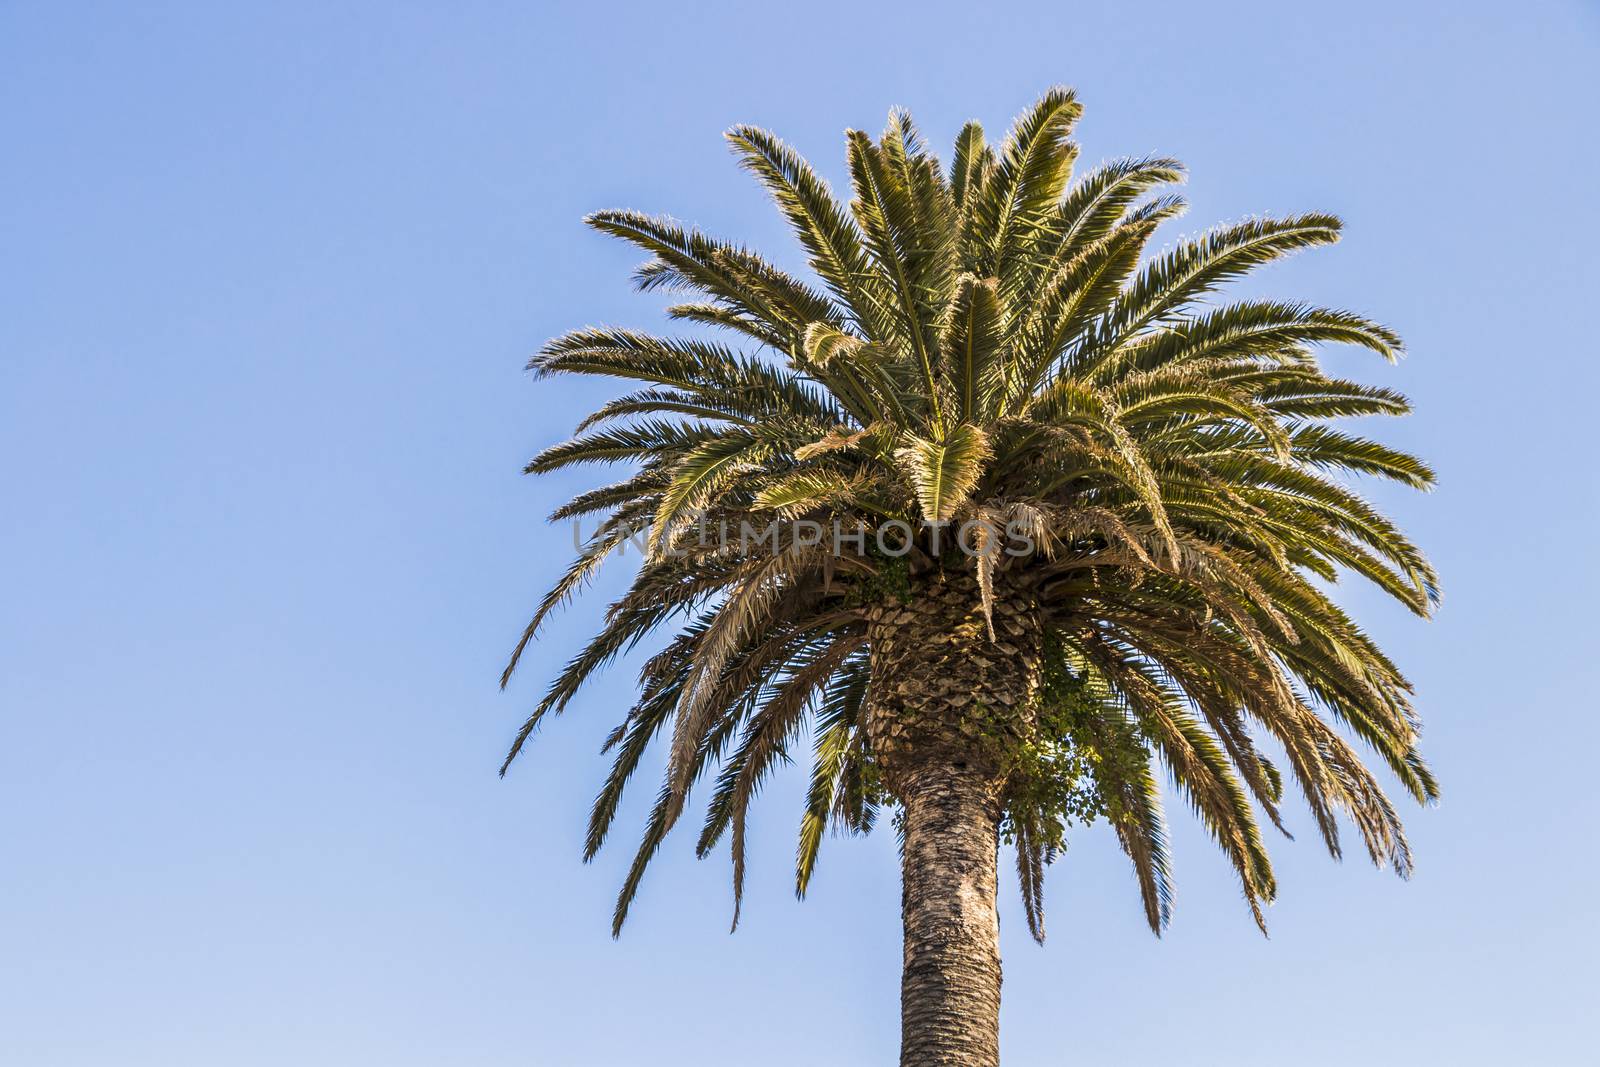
column 267, row 282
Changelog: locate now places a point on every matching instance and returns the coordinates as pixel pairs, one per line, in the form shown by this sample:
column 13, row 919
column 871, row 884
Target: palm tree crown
column 1100, row 481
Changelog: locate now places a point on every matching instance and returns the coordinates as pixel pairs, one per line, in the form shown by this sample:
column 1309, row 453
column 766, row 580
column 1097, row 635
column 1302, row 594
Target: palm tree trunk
column 949, row 705
column 950, row 987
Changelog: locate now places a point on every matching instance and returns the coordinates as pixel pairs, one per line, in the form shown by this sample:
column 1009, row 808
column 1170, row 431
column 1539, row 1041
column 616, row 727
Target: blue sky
column 267, row 281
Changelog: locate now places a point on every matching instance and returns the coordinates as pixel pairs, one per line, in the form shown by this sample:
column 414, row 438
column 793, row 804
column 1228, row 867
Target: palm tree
column 1020, row 512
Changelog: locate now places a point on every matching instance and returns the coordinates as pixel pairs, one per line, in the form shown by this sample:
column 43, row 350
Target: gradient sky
column 267, row 282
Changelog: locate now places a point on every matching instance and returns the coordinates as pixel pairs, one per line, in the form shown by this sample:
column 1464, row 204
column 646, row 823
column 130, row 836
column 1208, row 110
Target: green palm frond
column 945, row 472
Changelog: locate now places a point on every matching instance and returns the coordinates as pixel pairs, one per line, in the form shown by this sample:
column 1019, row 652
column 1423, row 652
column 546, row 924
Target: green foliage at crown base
column 1062, row 775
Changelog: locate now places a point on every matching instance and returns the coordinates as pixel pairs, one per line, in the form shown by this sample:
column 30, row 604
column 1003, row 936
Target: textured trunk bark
column 950, row 986
column 949, row 705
